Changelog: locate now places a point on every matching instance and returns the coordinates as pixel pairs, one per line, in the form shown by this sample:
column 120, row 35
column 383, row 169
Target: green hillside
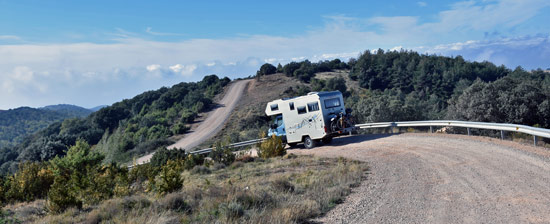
column 128, row 128
column 404, row 86
column 70, row 110
column 16, row 124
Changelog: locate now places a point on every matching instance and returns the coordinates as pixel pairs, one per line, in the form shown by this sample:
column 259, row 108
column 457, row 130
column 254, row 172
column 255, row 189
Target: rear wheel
column 309, row 143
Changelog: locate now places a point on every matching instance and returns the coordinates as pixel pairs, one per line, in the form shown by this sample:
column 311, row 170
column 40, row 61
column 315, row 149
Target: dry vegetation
column 287, row 189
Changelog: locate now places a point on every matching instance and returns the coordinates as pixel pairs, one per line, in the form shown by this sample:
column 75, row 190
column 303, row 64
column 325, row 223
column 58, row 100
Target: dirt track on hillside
column 436, row 178
column 212, row 124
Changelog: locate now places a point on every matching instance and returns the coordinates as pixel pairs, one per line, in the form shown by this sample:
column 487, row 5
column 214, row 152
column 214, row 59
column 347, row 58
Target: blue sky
column 99, row 52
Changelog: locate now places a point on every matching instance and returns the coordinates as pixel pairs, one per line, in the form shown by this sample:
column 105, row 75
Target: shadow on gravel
column 345, row 140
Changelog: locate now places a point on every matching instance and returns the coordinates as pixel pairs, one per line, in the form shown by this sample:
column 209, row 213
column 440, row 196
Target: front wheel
column 309, row 143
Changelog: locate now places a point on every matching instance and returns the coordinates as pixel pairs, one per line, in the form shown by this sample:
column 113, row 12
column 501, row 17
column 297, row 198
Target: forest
column 127, row 128
column 18, row 123
column 408, row 86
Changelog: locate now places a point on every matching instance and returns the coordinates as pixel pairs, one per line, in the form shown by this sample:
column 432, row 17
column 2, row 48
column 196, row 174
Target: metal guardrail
column 536, row 132
column 540, row 132
column 208, row 150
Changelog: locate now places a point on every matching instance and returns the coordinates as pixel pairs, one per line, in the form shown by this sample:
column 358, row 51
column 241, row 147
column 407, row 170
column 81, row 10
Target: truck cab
column 277, row 128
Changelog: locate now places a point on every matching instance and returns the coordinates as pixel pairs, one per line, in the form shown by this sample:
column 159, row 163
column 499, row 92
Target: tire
column 327, row 140
column 291, row 145
column 309, row 143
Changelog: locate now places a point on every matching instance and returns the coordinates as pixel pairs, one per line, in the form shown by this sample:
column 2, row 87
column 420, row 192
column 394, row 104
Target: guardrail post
column 501, row 134
column 431, row 129
column 535, row 140
column 469, row 133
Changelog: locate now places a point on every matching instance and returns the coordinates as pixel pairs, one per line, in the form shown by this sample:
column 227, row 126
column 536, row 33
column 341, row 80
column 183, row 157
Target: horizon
column 91, row 54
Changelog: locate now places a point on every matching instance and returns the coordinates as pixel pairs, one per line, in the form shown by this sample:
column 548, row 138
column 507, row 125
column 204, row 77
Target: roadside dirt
column 212, row 124
column 439, row 178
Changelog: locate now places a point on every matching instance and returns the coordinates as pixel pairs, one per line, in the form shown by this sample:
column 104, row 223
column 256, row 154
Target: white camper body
column 307, row 116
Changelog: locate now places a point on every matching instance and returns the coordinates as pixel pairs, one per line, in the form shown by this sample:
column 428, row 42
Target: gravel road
column 437, row 178
column 212, row 124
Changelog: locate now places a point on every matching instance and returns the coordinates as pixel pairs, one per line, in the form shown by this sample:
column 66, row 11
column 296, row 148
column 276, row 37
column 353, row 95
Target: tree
column 267, row 69
column 71, row 177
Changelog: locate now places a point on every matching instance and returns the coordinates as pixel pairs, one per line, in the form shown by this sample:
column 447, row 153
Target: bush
column 266, row 69
column 200, row 170
column 222, row 154
column 272, row 147
column 61, row 196
column 179, row 128
column 282, row 185
column 232, row 210
column 74, row 178
column 192, row 161
column 32, row 181
column 170, row 177
column 141, row 173
column 162, row 155
column 175, row 202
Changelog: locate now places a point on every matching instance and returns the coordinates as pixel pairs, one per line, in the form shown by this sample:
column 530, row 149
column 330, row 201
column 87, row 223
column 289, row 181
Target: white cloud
column 397, row 48
column 422, row 4
column 23, row 74
column 131, row 64
column 188, row 70
column 153, row 67
column 530, row 52
column 176, row 68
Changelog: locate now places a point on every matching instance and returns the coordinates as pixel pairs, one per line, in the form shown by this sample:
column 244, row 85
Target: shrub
column 32, row 181
column 170, row 177
column 218, row 166
column 73, row 184
column 142, row 173
column 272, row 147
column 282, row 185
column 222, row 154
column 232, row 210
column 61, row 196
column 245, row 159
column 162, row 155
column 192, row 161
column 175, row 202
column 179, row 128
column 200, row 170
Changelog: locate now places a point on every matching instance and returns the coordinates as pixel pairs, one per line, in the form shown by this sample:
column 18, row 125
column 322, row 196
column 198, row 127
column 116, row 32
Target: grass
column 290, row 189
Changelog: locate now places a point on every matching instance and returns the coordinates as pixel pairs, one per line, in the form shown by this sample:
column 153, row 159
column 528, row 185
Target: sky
column 91, row 53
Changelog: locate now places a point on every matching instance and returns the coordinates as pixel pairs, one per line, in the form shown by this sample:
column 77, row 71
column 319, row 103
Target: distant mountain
column 16, row 124
column 69, row 110
column 94, row 109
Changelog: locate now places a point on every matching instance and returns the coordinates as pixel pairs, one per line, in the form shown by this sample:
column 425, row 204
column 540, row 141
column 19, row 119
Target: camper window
column 330, row 103
column 302, row 110
column 274, row 107
column 291, row 105
column 313, row 106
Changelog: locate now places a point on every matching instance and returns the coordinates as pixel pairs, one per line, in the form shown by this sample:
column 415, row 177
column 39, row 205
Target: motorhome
column 315, row 117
